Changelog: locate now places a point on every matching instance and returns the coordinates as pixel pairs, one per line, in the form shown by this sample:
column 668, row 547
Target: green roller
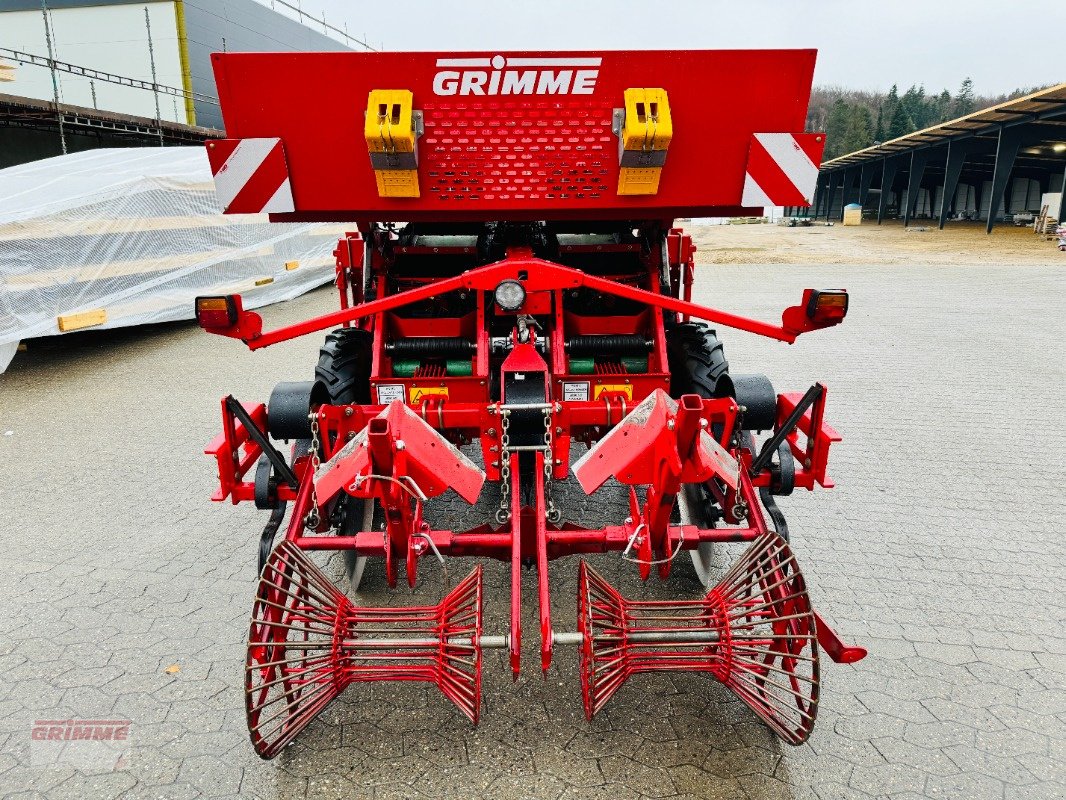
column 458, row 367
column 635, row 364
column 587, row 366
column 405, row 369
column 582, row 366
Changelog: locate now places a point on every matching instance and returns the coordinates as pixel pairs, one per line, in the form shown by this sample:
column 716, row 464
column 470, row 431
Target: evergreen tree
column 858, row 133
column 879, row 131
column 888, row 107
column 943, row 107
column 836, row 128
column 964, row 100
column 914, row 102
column 901, row 122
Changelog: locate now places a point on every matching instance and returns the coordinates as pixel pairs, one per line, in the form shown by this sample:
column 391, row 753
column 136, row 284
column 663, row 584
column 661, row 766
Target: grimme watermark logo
column 516, row 75
column 96, row 745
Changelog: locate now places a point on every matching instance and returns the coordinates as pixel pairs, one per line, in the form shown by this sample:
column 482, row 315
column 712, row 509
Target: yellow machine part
column 645, row 135
column 389, row 124
column 639, row 180
column 647, row 124
column 391, row 141
column 397, row 182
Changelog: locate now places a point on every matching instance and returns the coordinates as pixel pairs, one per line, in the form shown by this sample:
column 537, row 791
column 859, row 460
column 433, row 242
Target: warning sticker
column 420, row 393
column 389, row 392
column 614, row 388
column 576, row 392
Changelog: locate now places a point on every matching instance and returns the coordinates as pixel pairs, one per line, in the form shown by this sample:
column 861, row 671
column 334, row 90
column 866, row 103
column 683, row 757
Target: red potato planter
column 515, row 306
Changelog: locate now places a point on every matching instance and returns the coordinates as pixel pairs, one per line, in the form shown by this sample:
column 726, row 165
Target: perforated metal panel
column 517, row 150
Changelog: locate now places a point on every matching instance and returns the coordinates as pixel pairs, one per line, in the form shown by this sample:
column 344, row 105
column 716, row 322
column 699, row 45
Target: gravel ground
column 124, row 593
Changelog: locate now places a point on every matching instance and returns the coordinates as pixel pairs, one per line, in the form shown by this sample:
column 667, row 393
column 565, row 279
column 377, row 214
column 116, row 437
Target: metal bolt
column 349, row 411
column 558, row 461
column 806, row 463
column 558, row 430
column 703, row 422
column 400, row 445
column 670, row 425
column 351, row 435
column 491, row 432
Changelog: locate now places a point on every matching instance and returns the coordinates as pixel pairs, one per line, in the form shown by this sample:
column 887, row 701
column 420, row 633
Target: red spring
column 308, row 643
column 754, row 632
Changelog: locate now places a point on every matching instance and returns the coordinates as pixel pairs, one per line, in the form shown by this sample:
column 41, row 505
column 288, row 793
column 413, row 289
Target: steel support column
column 832, row 192
column 1010, row 142
column 1061, row 216
column 956, row 160
column 849, row 185
column 888, row 177
column 919, row 158
column 866, row 180
column 826, row 199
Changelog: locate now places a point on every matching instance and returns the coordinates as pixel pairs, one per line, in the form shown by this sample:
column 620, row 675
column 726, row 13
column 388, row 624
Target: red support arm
column 539, row 275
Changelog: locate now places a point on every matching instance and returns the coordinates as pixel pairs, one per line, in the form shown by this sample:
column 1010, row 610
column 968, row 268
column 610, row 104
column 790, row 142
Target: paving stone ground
column 941, row 551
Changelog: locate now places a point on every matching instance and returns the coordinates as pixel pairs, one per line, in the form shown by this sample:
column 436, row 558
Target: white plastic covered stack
column 136, row 233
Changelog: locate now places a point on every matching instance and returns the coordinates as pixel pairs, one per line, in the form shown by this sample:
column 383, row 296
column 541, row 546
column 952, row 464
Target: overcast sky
column 861, row 44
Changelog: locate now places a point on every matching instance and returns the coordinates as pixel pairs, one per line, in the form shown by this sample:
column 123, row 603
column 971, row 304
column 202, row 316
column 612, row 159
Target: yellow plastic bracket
column 647, row 122
column 389, row 125
column 391, row 139
column 644, row 137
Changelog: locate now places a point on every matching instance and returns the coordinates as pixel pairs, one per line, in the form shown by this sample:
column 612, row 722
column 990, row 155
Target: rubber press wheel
column 698, row 366
column 342, row 376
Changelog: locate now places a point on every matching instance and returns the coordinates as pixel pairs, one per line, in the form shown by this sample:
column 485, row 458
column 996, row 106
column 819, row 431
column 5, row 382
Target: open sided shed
column 997, row 161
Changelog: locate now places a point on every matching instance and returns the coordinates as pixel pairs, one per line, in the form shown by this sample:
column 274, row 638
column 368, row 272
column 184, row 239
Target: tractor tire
column 698, row 366
column 343, row 371
column 697, row 362
column 342, row 376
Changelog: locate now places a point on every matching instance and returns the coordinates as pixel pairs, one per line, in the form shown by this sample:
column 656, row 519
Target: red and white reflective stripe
column 251, row 176
column 782, row 169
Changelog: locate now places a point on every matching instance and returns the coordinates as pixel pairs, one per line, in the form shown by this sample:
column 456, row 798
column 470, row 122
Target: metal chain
column 554, row 514
column 313, row 520
column 740, row 508
column 503, row 513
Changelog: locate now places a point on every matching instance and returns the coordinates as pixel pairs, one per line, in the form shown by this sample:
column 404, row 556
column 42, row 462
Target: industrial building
column 80, row 74
column 1003, row 162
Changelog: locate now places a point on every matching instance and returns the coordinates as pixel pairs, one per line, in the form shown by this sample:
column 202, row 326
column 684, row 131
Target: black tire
column 343, row 371
column 697, row 362
column 342, row 376
column 698, row 366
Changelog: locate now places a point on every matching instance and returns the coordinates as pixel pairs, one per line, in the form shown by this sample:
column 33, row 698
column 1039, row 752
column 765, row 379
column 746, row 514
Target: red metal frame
column 515, row 156
column 402, row 452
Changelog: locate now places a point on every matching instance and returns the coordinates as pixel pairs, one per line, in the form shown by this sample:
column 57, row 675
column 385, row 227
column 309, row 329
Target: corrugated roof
column 1045, row 103
column 55, row 5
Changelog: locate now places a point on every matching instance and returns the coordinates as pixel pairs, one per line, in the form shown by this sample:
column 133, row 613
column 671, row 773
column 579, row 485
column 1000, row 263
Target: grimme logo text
column 80, row 730
column 516, row 75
